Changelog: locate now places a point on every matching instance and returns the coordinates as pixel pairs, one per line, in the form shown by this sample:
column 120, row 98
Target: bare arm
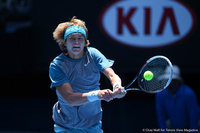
column 114, row 78
column 73, row 99
column 76, row 99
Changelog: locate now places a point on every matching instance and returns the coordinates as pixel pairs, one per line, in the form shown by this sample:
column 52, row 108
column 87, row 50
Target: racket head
column 158, row 66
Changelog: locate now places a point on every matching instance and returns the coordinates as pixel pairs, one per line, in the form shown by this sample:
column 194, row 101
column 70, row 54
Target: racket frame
column 149, row 60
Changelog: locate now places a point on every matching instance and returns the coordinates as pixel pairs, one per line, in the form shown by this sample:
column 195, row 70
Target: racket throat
column 129, row 89
column 130, row 83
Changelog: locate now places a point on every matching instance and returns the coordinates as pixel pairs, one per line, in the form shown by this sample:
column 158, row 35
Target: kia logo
column 147, row 23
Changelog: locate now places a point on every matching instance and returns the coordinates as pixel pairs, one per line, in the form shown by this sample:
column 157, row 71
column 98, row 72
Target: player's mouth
column 76, row 48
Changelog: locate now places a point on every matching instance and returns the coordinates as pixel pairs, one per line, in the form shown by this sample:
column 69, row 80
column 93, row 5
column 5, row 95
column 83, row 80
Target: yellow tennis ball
column 148, row 75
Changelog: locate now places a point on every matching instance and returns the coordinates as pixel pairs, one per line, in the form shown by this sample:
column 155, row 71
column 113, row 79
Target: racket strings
column 157, row 67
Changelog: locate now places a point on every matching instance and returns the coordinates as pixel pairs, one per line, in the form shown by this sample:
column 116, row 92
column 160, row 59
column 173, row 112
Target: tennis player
column 75, row 76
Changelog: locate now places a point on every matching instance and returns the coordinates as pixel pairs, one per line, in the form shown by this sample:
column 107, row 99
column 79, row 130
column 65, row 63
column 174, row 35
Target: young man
column 75, row 75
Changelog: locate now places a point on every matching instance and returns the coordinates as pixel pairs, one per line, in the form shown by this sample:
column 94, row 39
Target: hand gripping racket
column 157, row 65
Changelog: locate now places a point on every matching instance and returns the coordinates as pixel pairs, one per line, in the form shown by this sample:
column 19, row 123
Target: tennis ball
column 148, row 75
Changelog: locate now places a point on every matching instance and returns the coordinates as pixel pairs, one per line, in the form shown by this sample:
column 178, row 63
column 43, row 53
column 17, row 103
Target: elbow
column 70, row 102
column 73, row 100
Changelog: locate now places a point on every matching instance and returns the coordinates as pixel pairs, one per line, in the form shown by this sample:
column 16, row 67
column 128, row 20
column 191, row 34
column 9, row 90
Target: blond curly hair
column 59, row 32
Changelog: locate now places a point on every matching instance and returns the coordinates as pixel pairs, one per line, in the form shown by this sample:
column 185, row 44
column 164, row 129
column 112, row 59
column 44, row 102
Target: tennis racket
column 157, row 65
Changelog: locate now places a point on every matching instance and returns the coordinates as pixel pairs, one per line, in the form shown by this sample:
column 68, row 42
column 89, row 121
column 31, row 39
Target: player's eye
column 72, row 38
column 80, row 38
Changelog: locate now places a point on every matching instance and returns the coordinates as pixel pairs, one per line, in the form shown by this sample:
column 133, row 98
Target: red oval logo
column 147, row 23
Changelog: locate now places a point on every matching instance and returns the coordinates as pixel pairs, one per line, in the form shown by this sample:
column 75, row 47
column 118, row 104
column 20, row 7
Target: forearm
column 113, row 77
column 116, row 83
column 76, row 99
column 73, row 99
column 115, row 80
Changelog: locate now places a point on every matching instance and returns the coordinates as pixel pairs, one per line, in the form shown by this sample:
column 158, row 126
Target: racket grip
column 123, row 89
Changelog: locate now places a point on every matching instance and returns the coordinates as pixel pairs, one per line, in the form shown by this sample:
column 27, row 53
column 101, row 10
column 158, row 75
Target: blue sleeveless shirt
column 83, row 75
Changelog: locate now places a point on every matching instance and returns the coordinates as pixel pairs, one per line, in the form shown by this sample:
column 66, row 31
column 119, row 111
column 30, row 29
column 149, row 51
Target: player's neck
column 74, row 56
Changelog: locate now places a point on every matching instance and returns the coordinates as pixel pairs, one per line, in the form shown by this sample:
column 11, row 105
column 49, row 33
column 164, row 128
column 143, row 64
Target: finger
column 121, row 95
column 110, row 93
column 116, row 94
column 107, row 97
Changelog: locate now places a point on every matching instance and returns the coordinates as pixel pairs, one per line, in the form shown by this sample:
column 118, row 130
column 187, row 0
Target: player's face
column 75, row 45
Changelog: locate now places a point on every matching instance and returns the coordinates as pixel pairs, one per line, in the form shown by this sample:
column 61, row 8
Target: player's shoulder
column 94, row 52
column 58, row 59
column 92, row 49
